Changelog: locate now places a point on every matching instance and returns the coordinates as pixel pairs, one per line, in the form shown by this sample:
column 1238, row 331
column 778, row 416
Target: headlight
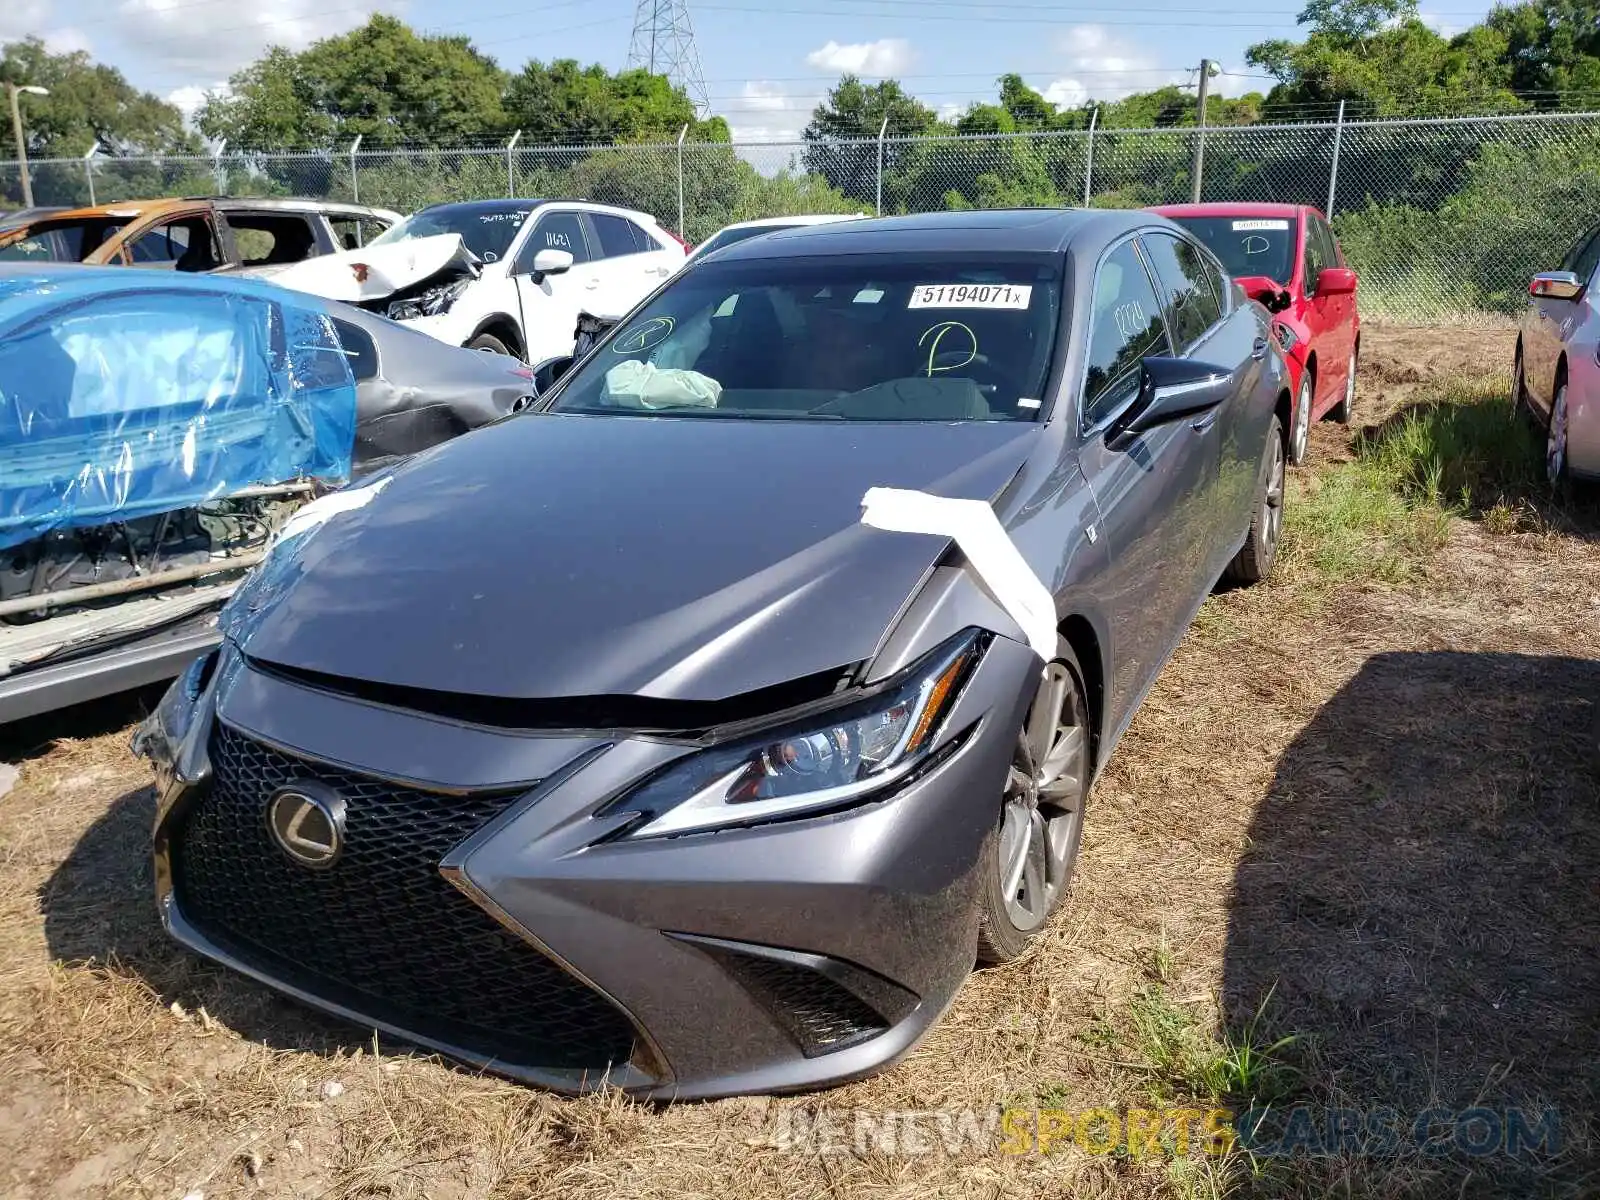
column 821, row 762
column 430, row 304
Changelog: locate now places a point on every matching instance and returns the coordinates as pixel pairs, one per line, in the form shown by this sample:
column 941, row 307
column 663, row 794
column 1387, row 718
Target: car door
column 551, row 304
column 1550, row 320
column 1339, row 319
column 626, row 273
column 1150, row 490
column 1204, row 327
column 1316, row 312
column 185, row 241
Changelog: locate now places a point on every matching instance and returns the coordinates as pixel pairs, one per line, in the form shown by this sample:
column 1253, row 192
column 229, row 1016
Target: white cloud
column 1102, row 65
column 765, row 112
column 1445, row 27
column 31, row 18
column 188, row 100
column 178, row 37
column 886, row 56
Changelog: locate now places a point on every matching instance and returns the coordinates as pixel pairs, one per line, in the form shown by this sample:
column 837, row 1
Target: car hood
column 564, row 555
column 378, row 272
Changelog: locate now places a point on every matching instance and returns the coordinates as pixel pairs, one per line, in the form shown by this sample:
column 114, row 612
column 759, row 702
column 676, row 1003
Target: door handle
column 1259, row 348
column 1205, row 421
column 592, row 284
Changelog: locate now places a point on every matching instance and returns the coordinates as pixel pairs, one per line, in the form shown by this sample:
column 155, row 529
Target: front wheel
column 1256, row 558
column 1023, row 878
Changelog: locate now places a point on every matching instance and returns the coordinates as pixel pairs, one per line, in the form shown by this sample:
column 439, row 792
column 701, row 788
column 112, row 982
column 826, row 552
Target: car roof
column 1225, row 208
column 134, row 209
column 1017, row 230
column 507, row 205
column 795, row 221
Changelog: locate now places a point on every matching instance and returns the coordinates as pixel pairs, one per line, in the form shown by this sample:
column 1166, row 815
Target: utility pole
column 16, row 129
column 1207, row 70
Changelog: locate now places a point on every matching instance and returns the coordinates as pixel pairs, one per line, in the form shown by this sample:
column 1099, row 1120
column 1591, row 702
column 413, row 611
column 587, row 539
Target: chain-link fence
column 1445, row 218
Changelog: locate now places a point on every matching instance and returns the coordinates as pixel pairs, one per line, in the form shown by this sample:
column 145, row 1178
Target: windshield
column 58, row 241
column 1248, row 245
column 728, row 237
column 487, row 232
column 851, row 338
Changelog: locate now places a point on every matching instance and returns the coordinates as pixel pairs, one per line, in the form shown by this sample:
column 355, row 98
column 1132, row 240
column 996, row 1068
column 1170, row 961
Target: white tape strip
column 972, row 525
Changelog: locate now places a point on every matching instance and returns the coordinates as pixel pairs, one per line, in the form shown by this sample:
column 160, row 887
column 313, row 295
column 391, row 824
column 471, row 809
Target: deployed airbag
column 121, row 397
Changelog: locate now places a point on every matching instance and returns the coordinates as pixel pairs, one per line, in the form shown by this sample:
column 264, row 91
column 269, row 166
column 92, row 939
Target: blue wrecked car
column 157, row 430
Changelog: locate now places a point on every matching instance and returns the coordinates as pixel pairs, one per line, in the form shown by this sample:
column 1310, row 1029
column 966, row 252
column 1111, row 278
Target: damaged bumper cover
column 552, row 943
column 416, row 277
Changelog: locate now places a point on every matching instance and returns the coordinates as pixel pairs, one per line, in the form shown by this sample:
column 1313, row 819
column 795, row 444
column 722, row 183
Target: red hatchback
column 1285, row 256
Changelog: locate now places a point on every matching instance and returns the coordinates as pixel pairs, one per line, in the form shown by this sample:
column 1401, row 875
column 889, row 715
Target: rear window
column 864, row 338
column 728, row 237
column 1248, row 245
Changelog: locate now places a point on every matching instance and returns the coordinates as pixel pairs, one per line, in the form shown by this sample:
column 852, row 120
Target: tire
column 1555, row 441
column 1026, row 867
column 1300, row 440
column 489, row 344
column 1256, row 557
column 1521, row 405
column 1345, row 409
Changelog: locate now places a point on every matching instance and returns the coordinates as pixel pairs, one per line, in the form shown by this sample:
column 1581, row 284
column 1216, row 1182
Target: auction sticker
column 970, row 295
column 1241, row 226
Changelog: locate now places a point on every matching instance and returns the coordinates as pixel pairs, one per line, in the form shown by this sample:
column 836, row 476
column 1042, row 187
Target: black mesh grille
column 381, row 931
column 820, row 1014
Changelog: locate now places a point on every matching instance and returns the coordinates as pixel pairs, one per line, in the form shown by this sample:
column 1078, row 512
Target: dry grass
column 1355, row 813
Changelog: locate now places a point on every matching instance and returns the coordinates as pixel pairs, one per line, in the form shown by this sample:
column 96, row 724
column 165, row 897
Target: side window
column 1126, row 324
column 1221, row 285
column 1191, row 305
column 351, row 233
column 1584, row 267
column 186, row 244
column 1330, row 244
column 270, row 238
column 617, row 235
column 1314, row 257
column 555, row 231
column 359, row 348
column 646, row 241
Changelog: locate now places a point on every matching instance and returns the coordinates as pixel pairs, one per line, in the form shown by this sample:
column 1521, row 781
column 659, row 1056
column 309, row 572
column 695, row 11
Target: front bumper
column 774, row 958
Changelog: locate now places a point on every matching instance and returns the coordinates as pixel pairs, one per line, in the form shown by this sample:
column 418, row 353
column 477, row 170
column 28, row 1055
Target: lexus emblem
column 307, row 822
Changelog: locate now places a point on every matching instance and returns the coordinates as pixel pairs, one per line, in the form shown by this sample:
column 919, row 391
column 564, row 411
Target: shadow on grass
column 99, row 910
column 1419, row 901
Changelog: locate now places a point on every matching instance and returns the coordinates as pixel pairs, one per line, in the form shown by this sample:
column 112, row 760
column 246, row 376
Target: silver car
column 1557, row 374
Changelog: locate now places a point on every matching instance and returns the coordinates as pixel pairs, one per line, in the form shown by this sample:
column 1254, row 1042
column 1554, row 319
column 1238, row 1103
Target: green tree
column 564, row 102
column 1553, row 47
column 88, row 103
column 383, row 81
column 854, row 111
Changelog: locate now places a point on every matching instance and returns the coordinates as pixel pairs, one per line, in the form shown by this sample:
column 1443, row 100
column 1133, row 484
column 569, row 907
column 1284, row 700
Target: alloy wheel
column 1042, row 820
column 1273, row 524
column 1302, row 420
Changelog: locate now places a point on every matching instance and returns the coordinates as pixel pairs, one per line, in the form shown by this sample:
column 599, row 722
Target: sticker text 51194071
column 970, row 295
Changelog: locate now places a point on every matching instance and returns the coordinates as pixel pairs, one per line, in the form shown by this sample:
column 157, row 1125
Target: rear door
column 1151, row 490
column 626, row 271
column 1316, row 312
column 550, row 306
column 1339, row 337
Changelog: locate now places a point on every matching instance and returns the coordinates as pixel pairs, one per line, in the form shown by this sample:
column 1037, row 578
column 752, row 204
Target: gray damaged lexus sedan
column 618, row 743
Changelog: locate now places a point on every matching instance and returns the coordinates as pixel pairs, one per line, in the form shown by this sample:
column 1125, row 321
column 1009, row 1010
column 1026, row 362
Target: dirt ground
column 1365, row 812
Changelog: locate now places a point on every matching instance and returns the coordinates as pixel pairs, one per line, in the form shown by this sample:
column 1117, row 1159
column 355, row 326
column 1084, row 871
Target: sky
column 766, row 63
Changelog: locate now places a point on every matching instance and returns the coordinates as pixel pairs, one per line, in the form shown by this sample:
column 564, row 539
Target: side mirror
column 549, row 372
column 550, row 262
column 1170, row 389
column 1336, row 281
column 1555, row 285
column 1265, row 291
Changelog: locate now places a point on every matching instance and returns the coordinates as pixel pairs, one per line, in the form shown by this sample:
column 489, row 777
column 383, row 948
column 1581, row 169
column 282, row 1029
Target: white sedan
column 741, row 230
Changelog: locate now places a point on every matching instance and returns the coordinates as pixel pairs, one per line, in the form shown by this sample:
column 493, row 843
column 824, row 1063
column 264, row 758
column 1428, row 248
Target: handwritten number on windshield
column 965, row 340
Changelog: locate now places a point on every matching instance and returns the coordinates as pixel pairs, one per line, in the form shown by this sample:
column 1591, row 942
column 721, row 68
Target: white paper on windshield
column 970, row 295
column 1242, row 226
column 973, row 526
